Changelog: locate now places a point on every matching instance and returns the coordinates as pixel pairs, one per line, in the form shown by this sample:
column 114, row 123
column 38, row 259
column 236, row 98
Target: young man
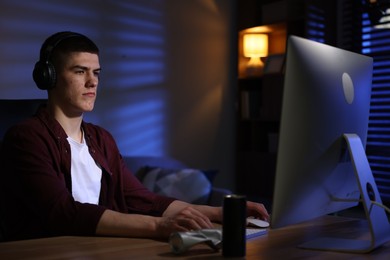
column 63, row 176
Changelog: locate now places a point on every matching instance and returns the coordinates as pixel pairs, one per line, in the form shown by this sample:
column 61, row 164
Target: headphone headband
column 52, row 42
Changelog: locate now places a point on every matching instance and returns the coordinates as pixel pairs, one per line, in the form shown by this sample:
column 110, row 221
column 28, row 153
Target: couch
column 191, row 180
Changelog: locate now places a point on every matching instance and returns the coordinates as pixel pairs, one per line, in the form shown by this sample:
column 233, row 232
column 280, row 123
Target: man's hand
column 257, row 210
column 186, row 219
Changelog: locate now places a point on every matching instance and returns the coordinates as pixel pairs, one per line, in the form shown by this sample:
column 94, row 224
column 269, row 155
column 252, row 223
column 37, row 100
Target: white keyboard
column 255, row 232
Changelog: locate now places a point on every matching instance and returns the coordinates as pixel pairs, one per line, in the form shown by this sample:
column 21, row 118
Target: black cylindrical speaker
column 234, row 226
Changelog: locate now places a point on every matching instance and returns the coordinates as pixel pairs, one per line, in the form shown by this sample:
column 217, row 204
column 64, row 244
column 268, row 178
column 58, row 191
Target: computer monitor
column 321, row 163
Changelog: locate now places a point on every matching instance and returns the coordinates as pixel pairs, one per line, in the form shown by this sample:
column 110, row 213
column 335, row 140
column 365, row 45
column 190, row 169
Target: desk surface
column 277, row 244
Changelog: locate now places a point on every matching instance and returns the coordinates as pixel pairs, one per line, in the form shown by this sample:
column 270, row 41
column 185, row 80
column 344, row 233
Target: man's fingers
column 194, row 219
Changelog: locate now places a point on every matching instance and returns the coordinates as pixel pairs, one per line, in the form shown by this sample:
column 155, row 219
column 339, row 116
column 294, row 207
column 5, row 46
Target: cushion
column 189, row 185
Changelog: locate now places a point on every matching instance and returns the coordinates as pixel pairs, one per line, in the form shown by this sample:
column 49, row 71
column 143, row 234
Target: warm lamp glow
column 255, row 45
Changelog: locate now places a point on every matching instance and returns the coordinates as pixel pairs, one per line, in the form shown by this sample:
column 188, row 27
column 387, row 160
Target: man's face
column 77, row 80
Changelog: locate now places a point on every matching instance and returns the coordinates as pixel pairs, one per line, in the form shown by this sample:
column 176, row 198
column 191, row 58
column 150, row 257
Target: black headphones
column 44, row 73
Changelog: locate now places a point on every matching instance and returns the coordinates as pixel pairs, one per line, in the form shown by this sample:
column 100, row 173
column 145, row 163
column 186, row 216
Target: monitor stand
column 378, row 222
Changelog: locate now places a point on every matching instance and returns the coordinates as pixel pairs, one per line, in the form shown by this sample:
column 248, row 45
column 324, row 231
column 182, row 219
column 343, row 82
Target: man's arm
column 113, row 223
column 178, row 217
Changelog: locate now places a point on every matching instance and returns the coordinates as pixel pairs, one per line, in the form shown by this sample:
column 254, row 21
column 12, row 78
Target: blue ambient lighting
column 131, row 101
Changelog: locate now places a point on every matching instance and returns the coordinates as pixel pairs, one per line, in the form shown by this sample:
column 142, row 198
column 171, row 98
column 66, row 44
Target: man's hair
column 63, row 43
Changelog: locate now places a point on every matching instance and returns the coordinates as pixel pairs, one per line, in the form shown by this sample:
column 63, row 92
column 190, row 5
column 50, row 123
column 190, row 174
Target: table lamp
column 255, row 47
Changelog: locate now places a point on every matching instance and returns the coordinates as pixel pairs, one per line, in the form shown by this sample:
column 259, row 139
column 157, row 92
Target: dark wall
column 167, row 81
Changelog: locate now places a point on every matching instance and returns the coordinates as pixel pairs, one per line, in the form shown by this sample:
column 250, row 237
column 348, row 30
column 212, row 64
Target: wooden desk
column 277, row 244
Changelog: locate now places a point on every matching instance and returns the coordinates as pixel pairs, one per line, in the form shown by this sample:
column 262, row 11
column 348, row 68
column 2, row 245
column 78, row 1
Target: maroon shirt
column 36, row 185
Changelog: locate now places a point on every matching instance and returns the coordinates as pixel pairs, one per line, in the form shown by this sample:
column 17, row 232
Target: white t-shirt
column 85, row 173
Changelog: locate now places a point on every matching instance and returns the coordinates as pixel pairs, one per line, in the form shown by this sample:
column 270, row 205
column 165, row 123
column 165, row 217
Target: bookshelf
column 259, row 108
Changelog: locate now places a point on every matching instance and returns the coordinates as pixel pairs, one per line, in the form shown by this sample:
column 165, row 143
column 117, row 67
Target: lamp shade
column 255, row 45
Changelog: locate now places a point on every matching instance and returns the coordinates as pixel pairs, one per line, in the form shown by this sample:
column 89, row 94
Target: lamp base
column 252, row 71
column 254, row 67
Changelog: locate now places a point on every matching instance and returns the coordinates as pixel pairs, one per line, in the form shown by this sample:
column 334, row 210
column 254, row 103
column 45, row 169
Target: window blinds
column 376, row 43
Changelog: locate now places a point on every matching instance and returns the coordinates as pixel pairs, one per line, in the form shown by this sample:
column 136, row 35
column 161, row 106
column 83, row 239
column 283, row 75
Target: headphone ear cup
column 44, row 75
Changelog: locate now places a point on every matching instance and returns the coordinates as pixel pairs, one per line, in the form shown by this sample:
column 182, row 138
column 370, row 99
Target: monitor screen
column 326, row 93
column 321, row 165
column 326, row 102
